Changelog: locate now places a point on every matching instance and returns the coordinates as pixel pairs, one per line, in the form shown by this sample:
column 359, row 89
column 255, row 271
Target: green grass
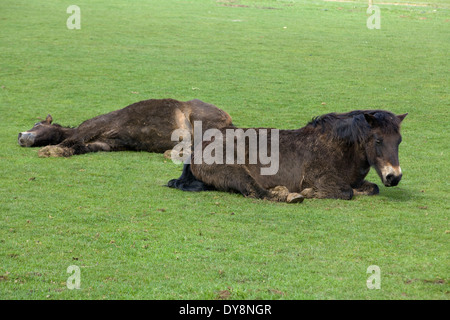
column 109, row 214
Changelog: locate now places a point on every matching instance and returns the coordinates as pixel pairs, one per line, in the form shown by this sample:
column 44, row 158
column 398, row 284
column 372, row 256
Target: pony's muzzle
column 392, row 180
column 26, row 139
column 391, row 176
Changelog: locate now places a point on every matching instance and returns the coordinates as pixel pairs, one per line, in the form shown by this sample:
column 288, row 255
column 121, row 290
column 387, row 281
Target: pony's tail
column 187, row 181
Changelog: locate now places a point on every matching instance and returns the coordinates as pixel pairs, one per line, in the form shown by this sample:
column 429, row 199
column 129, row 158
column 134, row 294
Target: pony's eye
column 378, row 141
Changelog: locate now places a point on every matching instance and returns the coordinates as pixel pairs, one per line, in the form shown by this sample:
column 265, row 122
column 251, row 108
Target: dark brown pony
column 328, row 158
column 142, row 126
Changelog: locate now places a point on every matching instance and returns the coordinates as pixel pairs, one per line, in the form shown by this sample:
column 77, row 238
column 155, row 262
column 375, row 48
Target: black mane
column 354, row 127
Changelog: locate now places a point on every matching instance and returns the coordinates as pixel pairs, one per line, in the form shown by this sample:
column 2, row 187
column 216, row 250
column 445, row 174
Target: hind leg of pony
column 367, row 188
column 231, row 178
column 236, row 178
column 279, row 193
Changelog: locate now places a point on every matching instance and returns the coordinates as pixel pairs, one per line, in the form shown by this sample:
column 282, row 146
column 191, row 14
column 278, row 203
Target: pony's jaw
column 26, row 139
column 390, row 175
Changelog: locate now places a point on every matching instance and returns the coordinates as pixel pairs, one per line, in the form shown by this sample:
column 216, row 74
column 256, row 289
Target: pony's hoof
column 280, row 189
column 176, row 156
column 54, row 151
column 295, row 198
column 307, row 193
column 168, row 154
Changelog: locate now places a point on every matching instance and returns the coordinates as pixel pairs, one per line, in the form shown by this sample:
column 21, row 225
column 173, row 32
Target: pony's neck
column 67, row 132
column 362, row 161
column 356, row 158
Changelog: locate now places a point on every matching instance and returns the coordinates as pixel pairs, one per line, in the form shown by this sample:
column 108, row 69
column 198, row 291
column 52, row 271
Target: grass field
column 267, row 63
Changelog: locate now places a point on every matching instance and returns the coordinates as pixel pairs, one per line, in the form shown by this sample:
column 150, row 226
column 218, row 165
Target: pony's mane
column 353, row 127
column 64, row 127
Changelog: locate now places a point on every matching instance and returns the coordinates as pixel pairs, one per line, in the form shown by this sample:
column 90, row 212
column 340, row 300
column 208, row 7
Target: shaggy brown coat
column 328, row 158
column 142, row 126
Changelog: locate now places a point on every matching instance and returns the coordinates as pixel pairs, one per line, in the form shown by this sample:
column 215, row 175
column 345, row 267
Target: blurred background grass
column 267, row 63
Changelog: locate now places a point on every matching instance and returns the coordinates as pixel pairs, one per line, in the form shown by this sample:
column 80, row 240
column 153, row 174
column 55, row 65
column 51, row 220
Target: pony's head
column 382, row 143
column 43, row 133
column 377, row 134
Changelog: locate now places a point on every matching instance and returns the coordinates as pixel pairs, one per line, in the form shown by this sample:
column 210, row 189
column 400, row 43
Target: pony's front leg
column 282, row 194
column 315, row 193
column 367, row 188
column 98, row 146
column 67, row 148
column 328, row 189
column 55, row 151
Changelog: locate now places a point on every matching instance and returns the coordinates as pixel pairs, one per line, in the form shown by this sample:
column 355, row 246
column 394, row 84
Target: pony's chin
column 26, row 144
column 390, row 176
column 392, row 182
column 26, row 139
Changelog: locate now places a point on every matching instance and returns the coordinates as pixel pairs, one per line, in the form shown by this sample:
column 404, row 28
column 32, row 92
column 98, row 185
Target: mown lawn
column 267, row 63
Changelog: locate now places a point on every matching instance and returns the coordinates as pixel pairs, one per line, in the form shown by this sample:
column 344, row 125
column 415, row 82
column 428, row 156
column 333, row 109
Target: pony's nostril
column 25, row 139
column 390, row 177
column 392, row 180
column 21, row 140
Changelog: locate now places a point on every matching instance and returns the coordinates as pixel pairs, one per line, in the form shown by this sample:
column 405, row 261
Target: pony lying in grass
column 328, row 158
column 142, row 126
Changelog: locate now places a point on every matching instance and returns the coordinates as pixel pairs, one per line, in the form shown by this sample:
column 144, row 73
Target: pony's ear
column 402, row 116
column 370, row 118
column 49, row 119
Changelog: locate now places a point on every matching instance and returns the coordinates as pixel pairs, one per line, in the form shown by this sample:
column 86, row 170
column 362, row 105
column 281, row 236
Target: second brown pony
column 142, row 126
